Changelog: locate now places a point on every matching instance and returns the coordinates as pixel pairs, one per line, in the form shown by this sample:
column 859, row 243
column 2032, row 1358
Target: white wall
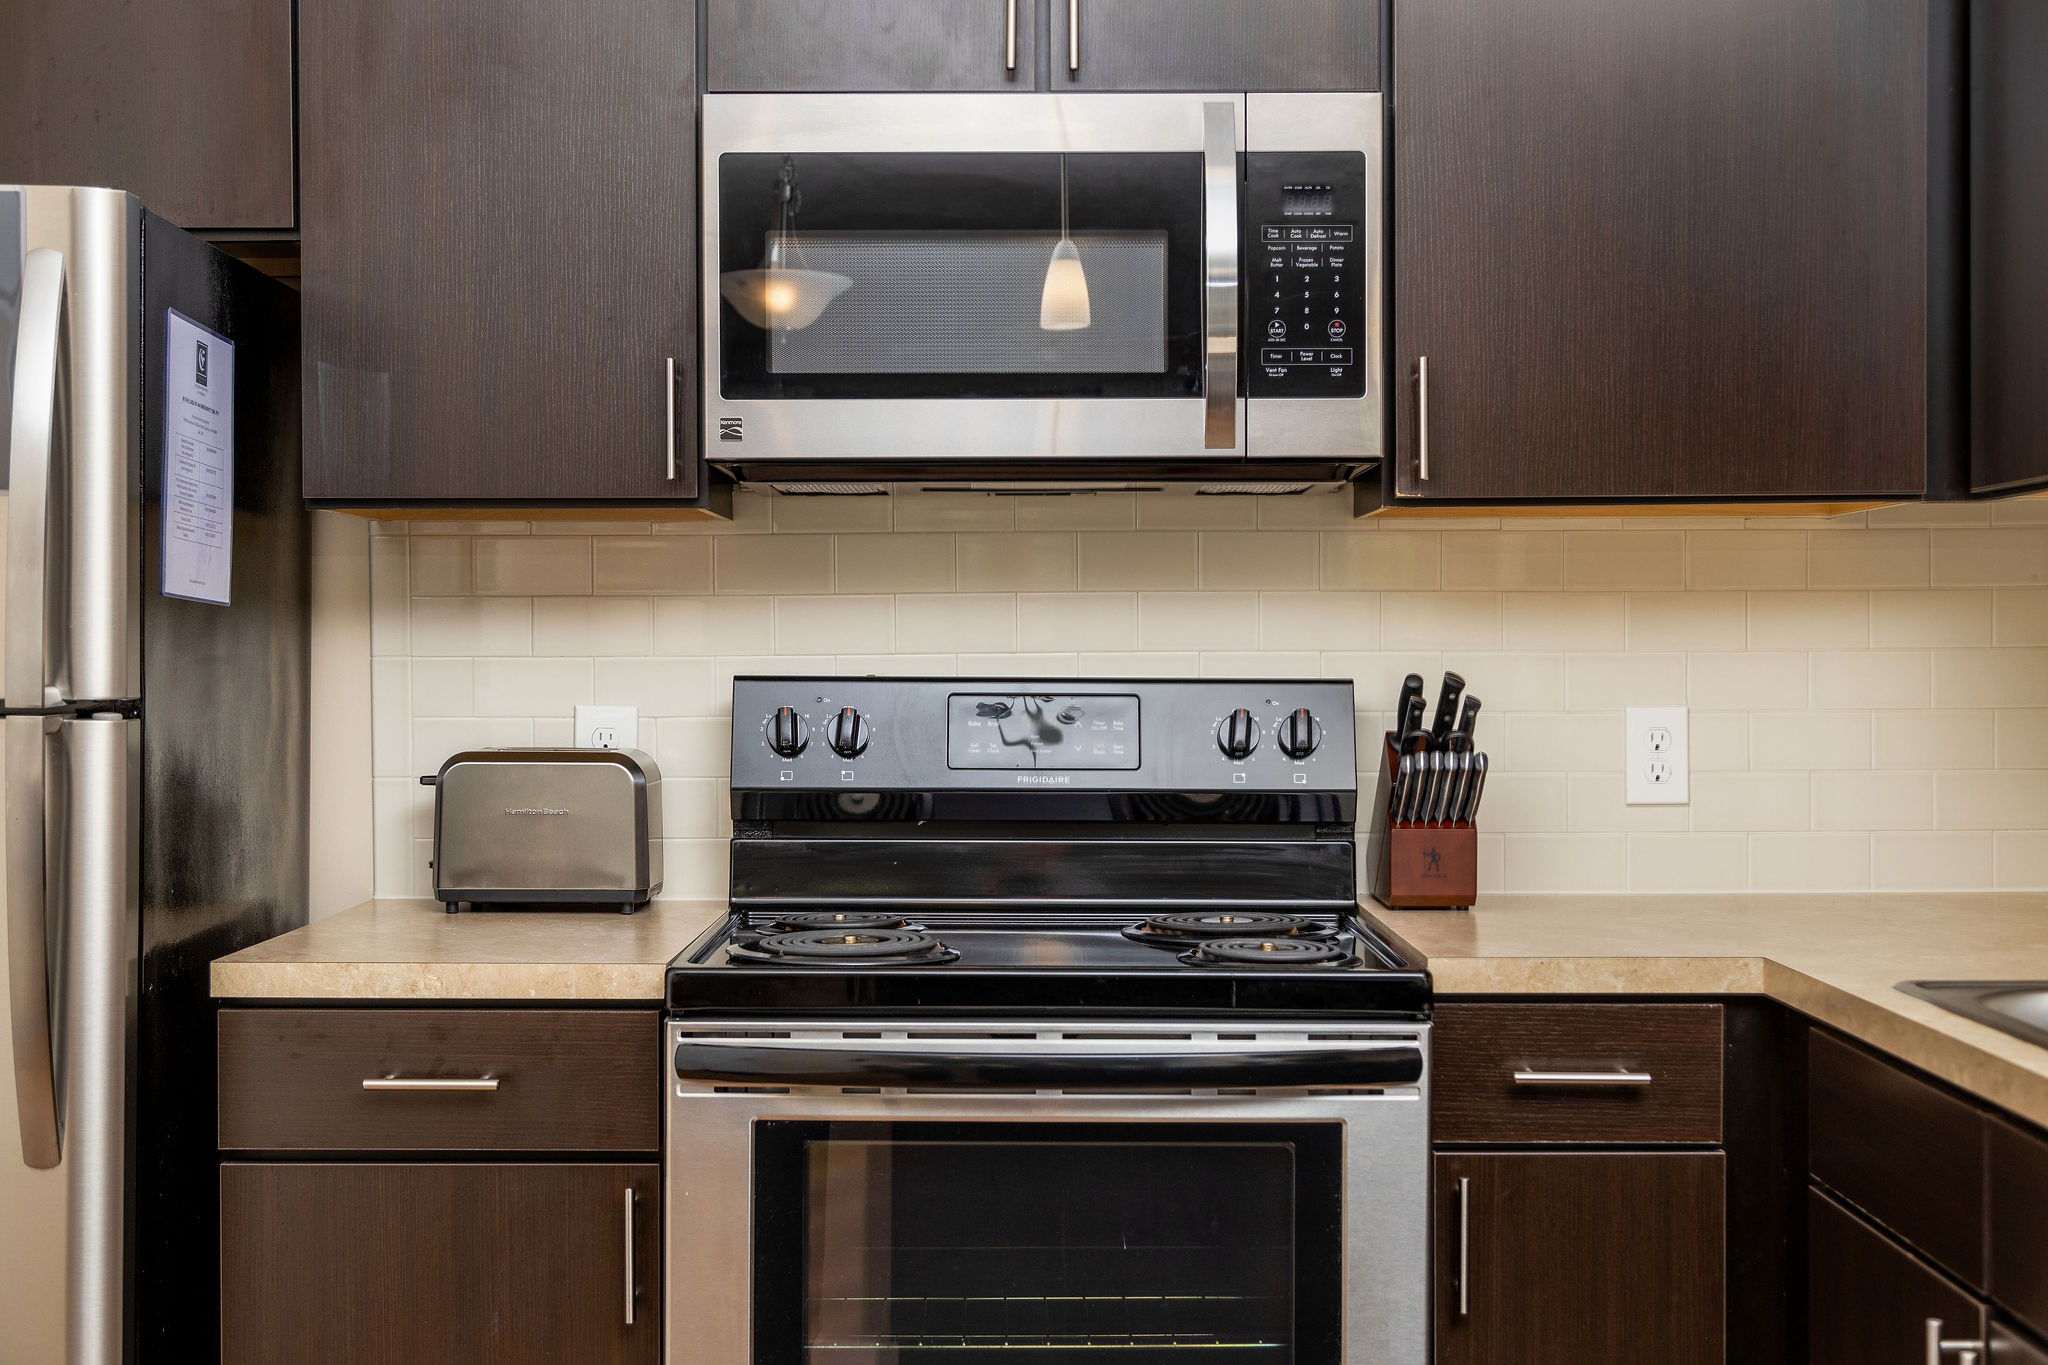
column 1868, row 694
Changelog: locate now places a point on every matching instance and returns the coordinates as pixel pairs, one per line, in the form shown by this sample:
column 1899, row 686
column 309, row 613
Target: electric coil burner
column 935, row 1076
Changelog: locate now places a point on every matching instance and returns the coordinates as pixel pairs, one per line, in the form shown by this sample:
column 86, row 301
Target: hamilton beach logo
column 535, row 810
column 1045, row 779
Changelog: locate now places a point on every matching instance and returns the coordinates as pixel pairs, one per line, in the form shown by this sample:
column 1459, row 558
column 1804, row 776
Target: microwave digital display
column 1305, row 201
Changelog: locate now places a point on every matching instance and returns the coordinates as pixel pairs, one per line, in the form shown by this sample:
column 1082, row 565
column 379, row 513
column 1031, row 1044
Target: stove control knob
column 1238, row 735
column 1299, row 734
column 849, row 733
column 788, row 736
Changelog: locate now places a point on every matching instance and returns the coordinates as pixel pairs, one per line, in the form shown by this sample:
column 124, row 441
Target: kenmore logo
column 1045, row 779
column 731, row 429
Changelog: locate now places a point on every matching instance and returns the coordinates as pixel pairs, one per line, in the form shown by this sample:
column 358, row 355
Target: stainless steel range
column 1043, row 1020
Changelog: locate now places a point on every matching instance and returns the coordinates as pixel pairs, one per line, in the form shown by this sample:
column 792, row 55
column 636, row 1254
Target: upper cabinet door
column 2008, row 124
column 1660, row 250
column 1215, row 44
column 188, row 105
column 500, row 216
column 865, row 45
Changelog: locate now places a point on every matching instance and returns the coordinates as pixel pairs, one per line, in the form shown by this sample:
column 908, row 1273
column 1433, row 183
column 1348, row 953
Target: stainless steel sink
column 2016, row 1007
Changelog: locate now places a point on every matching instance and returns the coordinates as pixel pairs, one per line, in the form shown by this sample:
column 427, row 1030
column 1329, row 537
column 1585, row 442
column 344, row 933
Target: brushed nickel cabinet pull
column 1616, row 1077
column 1464, row 1246
column 1422, row 418
column 1010, row 39
column 629, row 1255
column 431, row 1083
column 1966, row 1350
column 670, row 394
column 1073, row 35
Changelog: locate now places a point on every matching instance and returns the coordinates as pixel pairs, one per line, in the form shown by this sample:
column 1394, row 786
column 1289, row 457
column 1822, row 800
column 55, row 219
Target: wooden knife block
column 1417, row 865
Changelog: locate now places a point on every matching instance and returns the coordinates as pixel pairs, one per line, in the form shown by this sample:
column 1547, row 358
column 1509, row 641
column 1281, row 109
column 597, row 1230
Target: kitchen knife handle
column 1447, row 707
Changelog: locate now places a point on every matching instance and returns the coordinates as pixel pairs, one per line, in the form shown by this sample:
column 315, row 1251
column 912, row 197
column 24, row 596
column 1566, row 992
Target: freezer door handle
column 36, row 673
column 29, row 919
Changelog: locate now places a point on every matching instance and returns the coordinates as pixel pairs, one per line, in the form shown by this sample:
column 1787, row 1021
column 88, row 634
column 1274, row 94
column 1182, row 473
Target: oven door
column 913, row 278
column 837, row 1194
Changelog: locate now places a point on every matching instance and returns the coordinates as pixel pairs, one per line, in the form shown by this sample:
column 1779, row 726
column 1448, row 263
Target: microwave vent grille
column 1257, row 490
column 830, row 490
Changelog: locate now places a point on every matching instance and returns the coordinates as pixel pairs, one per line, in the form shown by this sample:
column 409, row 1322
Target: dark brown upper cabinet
column 2008, row 142
column 187, row 105
column 866, row 45
column 1660, row 251
column 499, row 223
column 1546, row 1259
column 1215, row 44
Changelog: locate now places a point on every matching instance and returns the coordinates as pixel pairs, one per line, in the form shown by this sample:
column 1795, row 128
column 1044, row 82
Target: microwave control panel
column 1304, row 216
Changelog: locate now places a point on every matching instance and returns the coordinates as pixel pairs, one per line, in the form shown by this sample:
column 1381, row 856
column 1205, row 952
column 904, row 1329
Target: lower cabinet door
column 1568, row 1258
column 1869, row 1300
column 400, row 1264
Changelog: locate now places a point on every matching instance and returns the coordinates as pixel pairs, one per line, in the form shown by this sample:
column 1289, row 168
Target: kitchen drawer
column 1907, row 1154
column 565, row 1080
column 2019, row 1223
column 1563, row 1055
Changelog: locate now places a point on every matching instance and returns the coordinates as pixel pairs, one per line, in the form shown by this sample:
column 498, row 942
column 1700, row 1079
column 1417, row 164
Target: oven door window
column 899, row 275
column 938, row 1242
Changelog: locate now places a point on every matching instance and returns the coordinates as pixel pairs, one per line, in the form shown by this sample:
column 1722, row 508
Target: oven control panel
column 860, row 735
column 1305, row 274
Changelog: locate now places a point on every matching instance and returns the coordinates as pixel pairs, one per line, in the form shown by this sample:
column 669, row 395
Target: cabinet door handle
column 670, row 392
column 1966, row 1350
column 629, row 1255
column 1422, row 418
column 430, row 1084
column 1010, row 39
column 1615, row 1077
column 1464, row 1246
column 1073, row 35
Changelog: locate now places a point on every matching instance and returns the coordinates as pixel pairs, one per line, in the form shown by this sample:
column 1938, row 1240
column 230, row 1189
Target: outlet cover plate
column 607, row 727
column 1659, row 760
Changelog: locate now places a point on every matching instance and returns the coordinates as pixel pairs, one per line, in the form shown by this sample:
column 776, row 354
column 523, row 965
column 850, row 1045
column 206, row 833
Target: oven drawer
column 1640, row 1074
column 440, row 1080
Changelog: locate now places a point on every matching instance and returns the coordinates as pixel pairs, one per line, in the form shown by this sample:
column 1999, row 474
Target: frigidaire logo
column 732, row 429
column 535, row 810
column 1045, row 779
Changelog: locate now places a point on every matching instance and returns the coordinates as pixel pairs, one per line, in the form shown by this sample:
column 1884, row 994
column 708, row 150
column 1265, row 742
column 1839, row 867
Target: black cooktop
column 957, row 963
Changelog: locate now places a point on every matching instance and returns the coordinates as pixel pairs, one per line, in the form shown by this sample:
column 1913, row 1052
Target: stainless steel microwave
column 1048, row 285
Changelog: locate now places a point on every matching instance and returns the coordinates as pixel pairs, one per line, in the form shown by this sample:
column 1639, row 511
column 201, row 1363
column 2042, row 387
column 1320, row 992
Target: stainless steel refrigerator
column 157, row 641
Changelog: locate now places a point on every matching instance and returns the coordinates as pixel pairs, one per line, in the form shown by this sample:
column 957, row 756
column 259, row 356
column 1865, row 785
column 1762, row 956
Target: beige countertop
column 1835, row 958
column 415, row 950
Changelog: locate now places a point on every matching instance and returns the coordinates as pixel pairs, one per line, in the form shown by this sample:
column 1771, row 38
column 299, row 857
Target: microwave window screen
column 970, row 303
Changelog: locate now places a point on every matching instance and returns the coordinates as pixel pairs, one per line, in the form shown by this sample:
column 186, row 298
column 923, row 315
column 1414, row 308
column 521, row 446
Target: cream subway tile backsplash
column 1869, row 704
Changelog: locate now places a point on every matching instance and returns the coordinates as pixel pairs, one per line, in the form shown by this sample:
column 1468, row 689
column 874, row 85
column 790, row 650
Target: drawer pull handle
column 1464, row 1246
column 430, row 1084
column 1528, row 1077
column 1938, row 1346
column 631, row 1289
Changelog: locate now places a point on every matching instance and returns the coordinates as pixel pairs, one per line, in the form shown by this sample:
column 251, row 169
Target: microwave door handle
column 33, row 458
column 1220, row 248
column 938, row 1064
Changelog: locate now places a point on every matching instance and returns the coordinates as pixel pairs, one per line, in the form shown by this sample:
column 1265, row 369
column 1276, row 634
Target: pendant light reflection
column 784, row 293
column 1063, row 302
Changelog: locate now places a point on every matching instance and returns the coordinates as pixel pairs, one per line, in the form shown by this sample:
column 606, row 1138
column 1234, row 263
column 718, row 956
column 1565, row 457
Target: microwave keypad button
column 1339, row 355
column 1273, row 234
column 1295, row 234
column 1340, row 234
column 1274, row 355
column 1337, row 329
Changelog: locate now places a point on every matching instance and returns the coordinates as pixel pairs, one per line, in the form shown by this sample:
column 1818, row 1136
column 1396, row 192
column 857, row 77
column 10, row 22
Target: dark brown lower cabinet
column 395, row 1264
column 1564, row 1258
column 1869, row 1299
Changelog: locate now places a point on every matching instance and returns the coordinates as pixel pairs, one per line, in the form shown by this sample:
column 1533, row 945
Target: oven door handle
column 1119, row 1065
column 1220, row 248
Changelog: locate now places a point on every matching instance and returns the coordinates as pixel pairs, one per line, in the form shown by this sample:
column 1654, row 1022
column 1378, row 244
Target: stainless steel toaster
column 569, row 827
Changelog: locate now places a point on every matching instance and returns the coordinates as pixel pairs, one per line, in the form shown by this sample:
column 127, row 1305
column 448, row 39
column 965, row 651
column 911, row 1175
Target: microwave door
column 920, row 279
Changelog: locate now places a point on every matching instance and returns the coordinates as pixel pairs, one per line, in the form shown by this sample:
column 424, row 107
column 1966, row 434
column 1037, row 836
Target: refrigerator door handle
column 33, row 680
column 36, row 673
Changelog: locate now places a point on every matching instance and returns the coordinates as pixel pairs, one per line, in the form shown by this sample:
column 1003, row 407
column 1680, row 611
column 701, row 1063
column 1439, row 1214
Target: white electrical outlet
column 1659, row 759
column 607, row 727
